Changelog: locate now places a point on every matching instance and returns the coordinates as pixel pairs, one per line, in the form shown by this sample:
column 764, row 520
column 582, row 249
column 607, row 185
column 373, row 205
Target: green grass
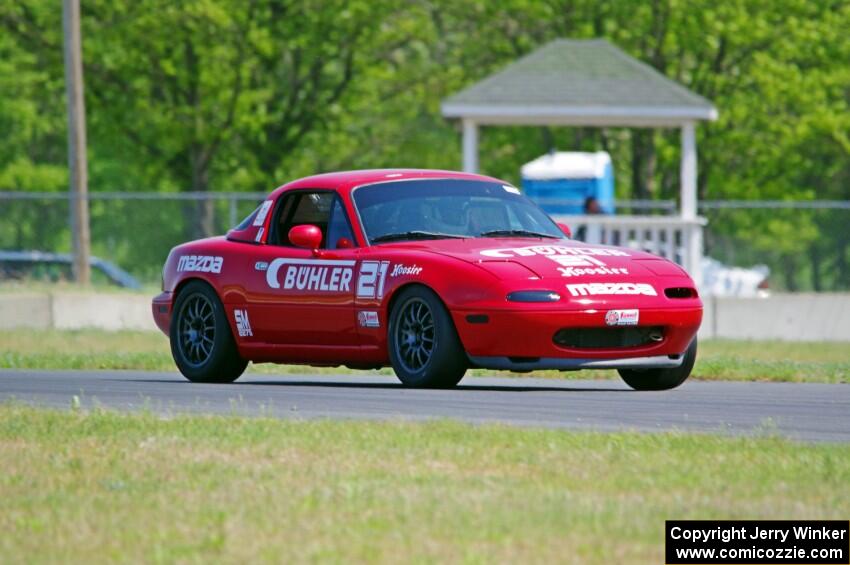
column 717, row 360
column 100, row 486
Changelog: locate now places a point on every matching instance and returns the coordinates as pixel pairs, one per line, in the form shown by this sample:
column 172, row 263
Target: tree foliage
column 242, row 95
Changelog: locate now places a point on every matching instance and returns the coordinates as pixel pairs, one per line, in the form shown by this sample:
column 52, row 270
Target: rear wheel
column 424, row 347
column 662, row 379
column 201, row 343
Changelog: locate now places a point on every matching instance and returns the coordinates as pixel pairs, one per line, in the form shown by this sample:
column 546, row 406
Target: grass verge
column 717, row 360
column 101, row 486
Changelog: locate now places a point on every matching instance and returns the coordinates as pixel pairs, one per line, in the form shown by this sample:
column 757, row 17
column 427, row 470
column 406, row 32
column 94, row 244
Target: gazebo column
column 470, row 146
column 688, row 173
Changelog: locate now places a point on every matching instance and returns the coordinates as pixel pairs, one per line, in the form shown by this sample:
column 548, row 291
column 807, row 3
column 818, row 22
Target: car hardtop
column 345, row 181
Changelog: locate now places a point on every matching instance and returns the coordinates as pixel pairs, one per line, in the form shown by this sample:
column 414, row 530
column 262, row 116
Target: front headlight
column 534, row 296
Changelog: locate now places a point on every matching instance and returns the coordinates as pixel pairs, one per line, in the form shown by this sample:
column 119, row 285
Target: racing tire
column 201, row 342
column 661, row 379
column 424, row 348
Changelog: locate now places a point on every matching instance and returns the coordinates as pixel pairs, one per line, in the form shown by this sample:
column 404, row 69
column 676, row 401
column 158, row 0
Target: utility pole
column 78, row 195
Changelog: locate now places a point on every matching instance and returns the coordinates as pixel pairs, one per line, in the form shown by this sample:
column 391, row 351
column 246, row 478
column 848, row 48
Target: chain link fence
column 133, row 231
column 806, row 245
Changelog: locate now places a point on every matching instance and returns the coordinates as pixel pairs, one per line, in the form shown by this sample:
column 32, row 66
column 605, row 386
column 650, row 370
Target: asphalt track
column 811, row 412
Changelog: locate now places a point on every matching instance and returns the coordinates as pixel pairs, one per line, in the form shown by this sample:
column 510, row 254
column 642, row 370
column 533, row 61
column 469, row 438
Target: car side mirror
column 566, row 229
column 307, row 236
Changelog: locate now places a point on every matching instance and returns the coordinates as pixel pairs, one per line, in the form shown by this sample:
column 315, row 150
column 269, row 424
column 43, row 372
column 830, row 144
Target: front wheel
column 424, row 347
column 201, row 342
column 661, row 379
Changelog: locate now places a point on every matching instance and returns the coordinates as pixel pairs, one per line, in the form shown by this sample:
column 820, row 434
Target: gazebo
column 571, row 82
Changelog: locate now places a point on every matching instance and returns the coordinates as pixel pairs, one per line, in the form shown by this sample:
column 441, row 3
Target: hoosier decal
column 400, row 269
column 323, row 275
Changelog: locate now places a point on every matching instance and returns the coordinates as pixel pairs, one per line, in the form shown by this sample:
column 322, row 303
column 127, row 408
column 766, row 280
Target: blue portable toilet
column 560, row 182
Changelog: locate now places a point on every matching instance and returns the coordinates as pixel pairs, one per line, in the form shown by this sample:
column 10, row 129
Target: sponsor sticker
column 553, row 250
column 310, row 274
column 611, row 289
column 572, row 261
column 582, row 265
column 260, row 218
column 243, row 326
column 326, row 275
column 622, row 317
column 199, row 264
column 368, row 319
column 261, row 266
column 399, row 269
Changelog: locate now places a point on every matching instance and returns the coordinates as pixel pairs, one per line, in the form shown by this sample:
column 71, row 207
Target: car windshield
column 448, row 208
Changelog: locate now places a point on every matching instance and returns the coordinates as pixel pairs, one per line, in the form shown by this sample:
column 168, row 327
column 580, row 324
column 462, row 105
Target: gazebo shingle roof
column 571, row 81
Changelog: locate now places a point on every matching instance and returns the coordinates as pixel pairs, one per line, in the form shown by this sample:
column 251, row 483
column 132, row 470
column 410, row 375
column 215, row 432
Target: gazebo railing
column 671, row 237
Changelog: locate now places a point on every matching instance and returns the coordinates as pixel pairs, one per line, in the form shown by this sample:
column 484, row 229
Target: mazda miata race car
column 431, row 272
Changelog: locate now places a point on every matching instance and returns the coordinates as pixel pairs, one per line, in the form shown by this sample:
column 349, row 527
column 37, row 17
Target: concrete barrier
column 25, row 310
column 67, row 310
column 786, row 317
column 789, row 317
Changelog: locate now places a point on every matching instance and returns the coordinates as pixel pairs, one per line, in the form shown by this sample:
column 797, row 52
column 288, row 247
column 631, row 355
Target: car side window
column 321, row 209
column 339, row 234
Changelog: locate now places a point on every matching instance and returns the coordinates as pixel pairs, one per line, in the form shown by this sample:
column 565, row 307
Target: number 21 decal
column 370, row 280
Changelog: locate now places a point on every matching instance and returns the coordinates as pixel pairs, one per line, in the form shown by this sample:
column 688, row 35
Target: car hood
column 566, row 260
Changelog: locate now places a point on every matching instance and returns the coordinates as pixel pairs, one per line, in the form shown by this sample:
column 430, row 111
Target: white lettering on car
column 323, row 275
column 596, row 289
column 578, row 265
column 243, row 326
column 400, row 269
column 370, row 280
column 199, row 264
column 548, row 250
column 260, row 218
column 576, row 272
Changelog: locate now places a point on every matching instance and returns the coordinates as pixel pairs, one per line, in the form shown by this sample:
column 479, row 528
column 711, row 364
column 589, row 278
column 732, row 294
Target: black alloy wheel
column 424, row 348
column 201, row 342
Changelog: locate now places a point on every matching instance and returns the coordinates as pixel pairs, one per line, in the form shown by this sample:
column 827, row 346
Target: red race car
column 432, row 272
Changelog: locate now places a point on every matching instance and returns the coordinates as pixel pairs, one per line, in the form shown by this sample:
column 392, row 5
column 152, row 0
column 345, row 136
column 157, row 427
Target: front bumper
column 524, row 339
column 570, row 364
column 161, row 309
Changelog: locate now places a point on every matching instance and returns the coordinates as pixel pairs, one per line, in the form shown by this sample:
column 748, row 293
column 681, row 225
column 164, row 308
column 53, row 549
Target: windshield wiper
column 518, row 233
column 415, row 234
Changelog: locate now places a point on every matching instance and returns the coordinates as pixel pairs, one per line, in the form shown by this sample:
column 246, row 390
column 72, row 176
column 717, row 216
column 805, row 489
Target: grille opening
column 608, row 338
column 680, row 292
